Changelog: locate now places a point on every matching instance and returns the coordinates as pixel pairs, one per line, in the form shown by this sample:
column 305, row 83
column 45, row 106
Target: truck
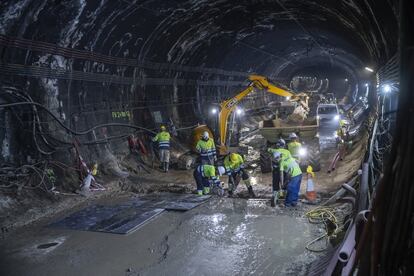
column 307, row 131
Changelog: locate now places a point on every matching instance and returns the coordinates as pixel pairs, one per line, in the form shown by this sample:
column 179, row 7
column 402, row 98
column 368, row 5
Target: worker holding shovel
column 278, row 191
column 294, row 173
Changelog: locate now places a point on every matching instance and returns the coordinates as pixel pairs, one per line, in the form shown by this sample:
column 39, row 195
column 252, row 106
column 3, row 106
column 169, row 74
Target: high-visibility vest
column 163, row 139
column 234, row 166
column 206, row 148
column 285, row 154
column 291, row 167
column 293, row 148
column 207, row 171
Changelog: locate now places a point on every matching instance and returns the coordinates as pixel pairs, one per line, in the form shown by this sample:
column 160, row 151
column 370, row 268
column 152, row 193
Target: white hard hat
column 293, row 135
column 280, row 143
column 205, row 135
column 276, row 155
column 221, row 170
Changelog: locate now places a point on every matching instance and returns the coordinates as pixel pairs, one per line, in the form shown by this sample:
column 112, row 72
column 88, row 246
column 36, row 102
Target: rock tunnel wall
column 149, row 62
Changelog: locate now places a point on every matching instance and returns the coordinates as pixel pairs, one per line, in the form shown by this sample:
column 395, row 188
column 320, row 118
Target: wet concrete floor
column 221, row 237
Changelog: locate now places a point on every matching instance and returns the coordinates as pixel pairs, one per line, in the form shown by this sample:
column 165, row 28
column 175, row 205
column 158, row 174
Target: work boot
column 206, row 190
column 230, row 192
column 251, row 193
column 200, row 192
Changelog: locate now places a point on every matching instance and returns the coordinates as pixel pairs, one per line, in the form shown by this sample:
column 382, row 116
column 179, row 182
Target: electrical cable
column 325, row 215
column 70, row 130
column 20, row 94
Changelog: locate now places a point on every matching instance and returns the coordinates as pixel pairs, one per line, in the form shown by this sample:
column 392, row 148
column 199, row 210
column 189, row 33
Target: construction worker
column 132, row 143
column 294, row 145
column 294, row 173
column 163, row 139
column 204, row 175
column 343, row 138
column 207, row 149
column 278, row 186
column 234, row 165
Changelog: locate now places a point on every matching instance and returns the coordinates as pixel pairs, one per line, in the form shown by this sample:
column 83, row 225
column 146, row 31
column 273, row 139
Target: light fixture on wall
column 369, row 69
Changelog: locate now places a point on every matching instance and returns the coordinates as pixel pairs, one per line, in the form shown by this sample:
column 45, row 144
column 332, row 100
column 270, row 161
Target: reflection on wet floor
column 231, row 237
column 327, row 137
column 220, row 237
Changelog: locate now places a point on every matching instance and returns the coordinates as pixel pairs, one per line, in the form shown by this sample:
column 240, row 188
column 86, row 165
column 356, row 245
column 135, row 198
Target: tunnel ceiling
column 92, row 62
column 271, row 37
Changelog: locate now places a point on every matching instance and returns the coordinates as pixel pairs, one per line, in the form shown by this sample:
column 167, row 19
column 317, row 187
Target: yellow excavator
column 256, row 82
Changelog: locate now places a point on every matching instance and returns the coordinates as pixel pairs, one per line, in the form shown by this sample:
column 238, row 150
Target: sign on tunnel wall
column 157, row 116
column 121, row 115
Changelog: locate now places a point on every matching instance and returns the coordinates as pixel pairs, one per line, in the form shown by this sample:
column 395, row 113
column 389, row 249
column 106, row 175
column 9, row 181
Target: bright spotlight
column 369, row 69
column 287, row 98
column 214, row 110
column 336, row 118
column 346, row 79
column 302, row 152
column 239, row 111
column 366, row 84
column 386, row 88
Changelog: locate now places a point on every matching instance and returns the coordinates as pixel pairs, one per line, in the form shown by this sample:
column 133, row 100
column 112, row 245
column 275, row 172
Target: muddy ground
column 222, row 237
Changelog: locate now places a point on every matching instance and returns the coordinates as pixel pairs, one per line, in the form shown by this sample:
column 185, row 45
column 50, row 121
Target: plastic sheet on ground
column 130, row 215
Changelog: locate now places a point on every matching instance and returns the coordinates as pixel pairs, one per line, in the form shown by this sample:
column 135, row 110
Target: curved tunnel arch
column 218, row 42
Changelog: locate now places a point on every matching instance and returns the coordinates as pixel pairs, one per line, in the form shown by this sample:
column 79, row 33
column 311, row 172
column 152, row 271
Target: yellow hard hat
column 162, row 127
column 309, row 170
column 233, row 157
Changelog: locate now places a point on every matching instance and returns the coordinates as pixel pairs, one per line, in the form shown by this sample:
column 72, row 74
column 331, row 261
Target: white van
column 328, row 113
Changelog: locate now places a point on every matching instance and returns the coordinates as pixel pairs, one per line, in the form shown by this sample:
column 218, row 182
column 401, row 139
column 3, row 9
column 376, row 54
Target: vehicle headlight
column 336, row 118
column 303, row 152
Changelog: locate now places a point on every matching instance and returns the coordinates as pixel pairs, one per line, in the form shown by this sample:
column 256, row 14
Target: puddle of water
column 47, row 245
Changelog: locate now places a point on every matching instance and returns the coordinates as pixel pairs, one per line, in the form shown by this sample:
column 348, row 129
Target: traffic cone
column 310, row 194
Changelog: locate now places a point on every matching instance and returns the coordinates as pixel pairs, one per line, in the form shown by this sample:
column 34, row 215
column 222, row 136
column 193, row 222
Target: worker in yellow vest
column 234, row 165
column 163, row 139
column 291, row 167
column 204, row 175
column 277, row 186
column 207, row 149
column 294, row 145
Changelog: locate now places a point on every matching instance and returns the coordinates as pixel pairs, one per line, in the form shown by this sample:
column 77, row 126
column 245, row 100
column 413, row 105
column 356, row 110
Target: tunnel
column 127, row 125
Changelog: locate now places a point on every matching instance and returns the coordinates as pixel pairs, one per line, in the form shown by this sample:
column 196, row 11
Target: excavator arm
column 229, row 105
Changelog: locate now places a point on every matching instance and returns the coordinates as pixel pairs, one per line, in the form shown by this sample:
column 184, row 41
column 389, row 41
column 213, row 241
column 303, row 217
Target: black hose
column 70, row 130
